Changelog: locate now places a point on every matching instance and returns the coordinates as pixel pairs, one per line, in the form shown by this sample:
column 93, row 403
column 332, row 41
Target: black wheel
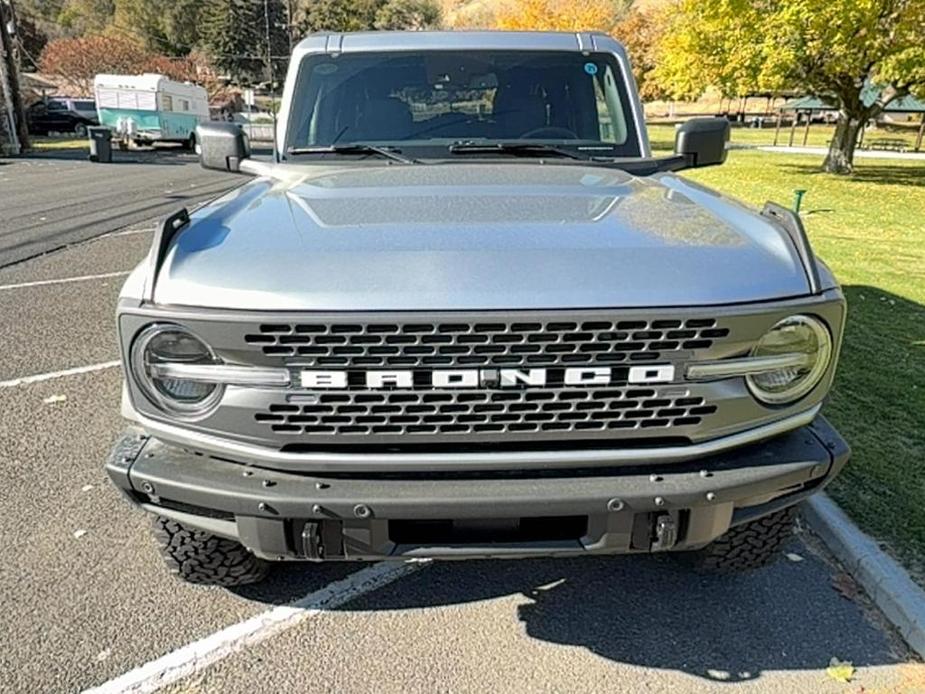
column 206, row 559
column 190, row 144
column 747, row 546
column 80, row 130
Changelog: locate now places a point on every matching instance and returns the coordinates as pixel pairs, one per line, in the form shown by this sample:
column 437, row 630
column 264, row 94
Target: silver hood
column 475, row 236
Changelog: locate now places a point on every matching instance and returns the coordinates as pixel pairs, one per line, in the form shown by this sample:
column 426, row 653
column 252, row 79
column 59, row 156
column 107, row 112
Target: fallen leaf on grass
column 792, row 556
column 51, row 399
column 840, row 671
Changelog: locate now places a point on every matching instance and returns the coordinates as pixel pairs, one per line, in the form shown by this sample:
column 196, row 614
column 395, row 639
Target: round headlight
column 171, row 344
column 798, row 336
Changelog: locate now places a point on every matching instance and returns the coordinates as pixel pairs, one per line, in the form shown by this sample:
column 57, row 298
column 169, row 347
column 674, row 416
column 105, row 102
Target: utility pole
column 14, row 137
column 290, row 27
column 266, row 19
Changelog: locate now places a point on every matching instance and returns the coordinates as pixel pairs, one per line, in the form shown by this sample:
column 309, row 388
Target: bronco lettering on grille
column 484, row 378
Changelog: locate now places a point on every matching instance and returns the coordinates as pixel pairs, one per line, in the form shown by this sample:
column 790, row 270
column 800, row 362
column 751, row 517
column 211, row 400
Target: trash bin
column 100, row 144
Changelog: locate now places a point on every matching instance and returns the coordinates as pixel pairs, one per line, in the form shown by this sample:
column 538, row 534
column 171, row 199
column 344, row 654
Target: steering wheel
column 550, row 131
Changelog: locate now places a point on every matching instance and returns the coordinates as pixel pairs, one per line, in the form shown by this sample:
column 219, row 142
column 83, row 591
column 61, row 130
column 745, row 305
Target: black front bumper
column 620, row 509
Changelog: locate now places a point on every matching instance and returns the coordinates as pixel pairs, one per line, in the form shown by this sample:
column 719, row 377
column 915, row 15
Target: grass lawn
column 662, row 136
column 870, row 229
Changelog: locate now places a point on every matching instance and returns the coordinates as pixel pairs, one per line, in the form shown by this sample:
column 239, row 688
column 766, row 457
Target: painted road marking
column 64, row 280
column 38, row 378
column 198, row 655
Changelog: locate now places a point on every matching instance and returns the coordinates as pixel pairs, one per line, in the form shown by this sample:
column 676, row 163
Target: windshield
column 435, row 98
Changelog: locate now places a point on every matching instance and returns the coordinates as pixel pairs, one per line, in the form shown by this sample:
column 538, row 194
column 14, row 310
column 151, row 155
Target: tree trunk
column 840, row 158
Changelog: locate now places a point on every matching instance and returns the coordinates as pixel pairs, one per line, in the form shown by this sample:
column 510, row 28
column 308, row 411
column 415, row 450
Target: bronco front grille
column 488, row 343
column 484, row 412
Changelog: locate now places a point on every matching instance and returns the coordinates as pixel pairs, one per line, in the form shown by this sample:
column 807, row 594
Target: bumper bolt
column 711, row 496
column 615, row 505
column 362, row 511
column 706, row 473
column 655, row 478
column 317, row 508
column 269, row 483
column 147, row 488
column 659, row 501
column 262, row 506
column 321, row 485
column 248, row 473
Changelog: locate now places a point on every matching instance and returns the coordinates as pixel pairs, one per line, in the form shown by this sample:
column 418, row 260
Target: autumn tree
column 857, row 55
column 641, row 32
column 558, row 15
column 78, row 60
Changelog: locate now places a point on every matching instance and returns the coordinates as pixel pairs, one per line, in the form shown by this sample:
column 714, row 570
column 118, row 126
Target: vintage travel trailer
column 150, row 108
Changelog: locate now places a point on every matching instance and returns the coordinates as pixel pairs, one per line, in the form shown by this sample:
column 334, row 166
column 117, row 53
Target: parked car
column 470, row 314
column 61, row 116
column 82, row 107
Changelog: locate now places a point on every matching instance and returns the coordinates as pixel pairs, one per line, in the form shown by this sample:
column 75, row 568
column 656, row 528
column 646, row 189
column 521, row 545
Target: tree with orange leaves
column 558, row 15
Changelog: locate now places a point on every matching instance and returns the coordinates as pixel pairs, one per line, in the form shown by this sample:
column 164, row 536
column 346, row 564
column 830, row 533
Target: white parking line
column 38, row 378
column 198, row 655
column 63, row 280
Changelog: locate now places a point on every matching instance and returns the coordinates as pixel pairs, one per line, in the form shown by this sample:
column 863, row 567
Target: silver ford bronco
column 465, row 312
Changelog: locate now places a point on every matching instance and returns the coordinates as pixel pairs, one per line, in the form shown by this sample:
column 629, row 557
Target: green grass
column 44, row 143
column 870, row 229
column 662, row 136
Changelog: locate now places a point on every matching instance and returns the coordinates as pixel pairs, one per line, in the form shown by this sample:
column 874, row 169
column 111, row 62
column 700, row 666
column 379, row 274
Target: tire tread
column 748, row 546
column 205, row 559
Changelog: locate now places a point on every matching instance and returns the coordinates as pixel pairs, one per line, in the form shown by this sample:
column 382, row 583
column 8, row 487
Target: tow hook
column 311, row 540
column 666, row 533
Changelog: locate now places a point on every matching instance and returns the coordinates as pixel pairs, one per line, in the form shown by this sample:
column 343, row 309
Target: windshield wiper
column 519, row 148
column 387, row 152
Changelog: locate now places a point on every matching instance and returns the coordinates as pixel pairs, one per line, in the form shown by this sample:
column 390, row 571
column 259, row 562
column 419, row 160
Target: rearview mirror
column 222, row 146
column 702, row 141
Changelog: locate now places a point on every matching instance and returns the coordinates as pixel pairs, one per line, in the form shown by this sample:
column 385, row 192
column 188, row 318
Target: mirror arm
column 676, row 162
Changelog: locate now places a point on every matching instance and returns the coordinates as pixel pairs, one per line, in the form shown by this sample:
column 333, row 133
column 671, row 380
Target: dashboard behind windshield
column 426, row 98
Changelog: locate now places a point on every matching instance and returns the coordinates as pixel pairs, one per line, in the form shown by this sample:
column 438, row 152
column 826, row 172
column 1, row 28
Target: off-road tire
column 205, row 559
column 748, row 546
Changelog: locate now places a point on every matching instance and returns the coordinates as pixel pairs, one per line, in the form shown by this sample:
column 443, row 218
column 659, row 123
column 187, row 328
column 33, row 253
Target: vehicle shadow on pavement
column 654, row 612
column 289, row 581
column 159, row 157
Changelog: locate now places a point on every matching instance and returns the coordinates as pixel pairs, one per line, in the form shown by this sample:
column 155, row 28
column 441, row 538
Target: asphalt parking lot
column 86, row 602
column 57, row 198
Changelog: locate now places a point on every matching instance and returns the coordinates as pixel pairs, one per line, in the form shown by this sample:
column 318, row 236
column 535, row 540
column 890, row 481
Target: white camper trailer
column 150, row 108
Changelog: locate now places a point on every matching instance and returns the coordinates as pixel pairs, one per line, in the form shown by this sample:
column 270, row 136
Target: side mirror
column 702, row 141
column 222, row 146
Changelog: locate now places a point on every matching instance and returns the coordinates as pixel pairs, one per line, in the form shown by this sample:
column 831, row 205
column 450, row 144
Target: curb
column 900, row 599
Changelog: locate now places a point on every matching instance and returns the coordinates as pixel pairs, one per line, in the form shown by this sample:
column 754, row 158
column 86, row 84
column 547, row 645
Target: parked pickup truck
column 465, row 312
